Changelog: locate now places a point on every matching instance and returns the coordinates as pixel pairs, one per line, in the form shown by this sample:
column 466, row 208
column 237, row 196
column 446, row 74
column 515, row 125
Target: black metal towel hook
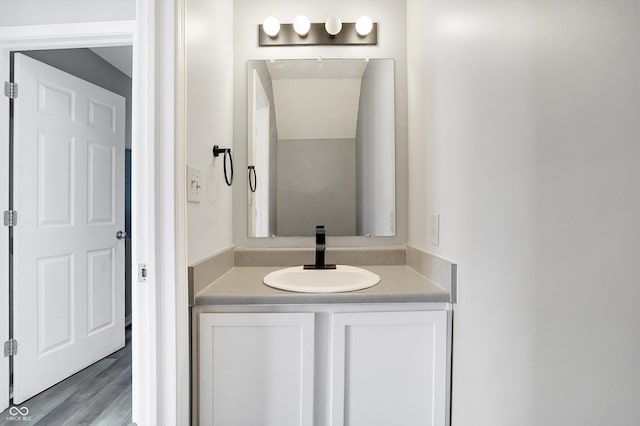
column 227, row 152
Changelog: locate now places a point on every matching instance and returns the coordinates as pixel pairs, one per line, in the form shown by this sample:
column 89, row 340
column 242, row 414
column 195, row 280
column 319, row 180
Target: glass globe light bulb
column 364, row 25
column 301, row 25
column 333, row 26
column 271, row 26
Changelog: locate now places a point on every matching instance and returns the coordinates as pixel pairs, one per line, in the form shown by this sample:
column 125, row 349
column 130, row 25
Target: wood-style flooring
column 98, row 395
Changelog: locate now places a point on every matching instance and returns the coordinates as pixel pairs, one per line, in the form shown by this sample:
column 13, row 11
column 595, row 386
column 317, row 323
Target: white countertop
column 398, row 284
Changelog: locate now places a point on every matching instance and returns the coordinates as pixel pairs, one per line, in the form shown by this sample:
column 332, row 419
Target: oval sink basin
column 343, row 278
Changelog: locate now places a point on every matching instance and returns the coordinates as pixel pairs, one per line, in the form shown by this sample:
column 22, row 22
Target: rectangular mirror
column 321, row 148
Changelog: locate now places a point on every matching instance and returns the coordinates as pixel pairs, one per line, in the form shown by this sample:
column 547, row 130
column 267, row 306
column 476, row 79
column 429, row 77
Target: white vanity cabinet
column 256, row 369
column 389, row 368
column 335, row 365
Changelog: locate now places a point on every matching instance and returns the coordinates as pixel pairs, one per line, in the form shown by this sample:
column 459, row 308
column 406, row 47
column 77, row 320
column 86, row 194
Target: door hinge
column 11, row 347
column 10, row 90
column 143, row 272
column 10, row 218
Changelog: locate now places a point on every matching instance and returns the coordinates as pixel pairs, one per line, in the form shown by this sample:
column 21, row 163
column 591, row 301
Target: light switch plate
column 194, row 184
column 435, row 229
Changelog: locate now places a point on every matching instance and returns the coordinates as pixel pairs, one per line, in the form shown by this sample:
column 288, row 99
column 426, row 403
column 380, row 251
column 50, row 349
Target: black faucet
column 321, row 246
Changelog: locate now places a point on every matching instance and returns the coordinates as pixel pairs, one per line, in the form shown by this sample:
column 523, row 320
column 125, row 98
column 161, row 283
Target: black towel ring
column 227, row 152
column 253, row 183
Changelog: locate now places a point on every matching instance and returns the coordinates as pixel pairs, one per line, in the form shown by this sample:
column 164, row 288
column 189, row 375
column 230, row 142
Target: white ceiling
column 316, row 68
column 321, row 108
column 316, row 99
column 120, row 57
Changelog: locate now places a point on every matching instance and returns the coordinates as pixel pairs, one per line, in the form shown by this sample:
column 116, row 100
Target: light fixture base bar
column 318, row 36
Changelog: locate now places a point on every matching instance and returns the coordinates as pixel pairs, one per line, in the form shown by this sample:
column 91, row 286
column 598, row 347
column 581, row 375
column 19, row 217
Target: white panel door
column 68, row 303
column 389, row 368
column 256, row 369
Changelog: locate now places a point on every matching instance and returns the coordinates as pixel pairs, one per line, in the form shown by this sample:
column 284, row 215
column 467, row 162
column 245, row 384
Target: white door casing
column 69, row 194
column 259, row 158
column 4, row 250
column 151, row 89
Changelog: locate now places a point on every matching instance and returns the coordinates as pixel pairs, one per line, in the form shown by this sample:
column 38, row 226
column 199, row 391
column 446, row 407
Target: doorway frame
column 37, row 37
column 159, row 305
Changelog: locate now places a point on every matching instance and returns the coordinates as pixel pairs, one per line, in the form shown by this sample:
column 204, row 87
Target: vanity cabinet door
column 389, row 368
column 256, row 369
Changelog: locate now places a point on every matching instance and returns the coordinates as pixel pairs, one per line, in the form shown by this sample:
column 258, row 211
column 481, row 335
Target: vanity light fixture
column 271, row 26
column 364, row 25
column 301, row 25
column 303, row 32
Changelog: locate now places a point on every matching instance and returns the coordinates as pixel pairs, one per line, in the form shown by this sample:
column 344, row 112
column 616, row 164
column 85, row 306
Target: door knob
column 121, row 235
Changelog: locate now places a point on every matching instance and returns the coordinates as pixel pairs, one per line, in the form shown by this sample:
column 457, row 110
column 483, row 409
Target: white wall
column 209, row 53
column 248, row 14
column 524, row 136
column 588, row 215
column 35, row 12
column 375, row 172
column 316, row 176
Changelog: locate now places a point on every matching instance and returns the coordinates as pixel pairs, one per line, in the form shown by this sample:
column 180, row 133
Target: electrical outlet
column 194, row 184
column 435, row 229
